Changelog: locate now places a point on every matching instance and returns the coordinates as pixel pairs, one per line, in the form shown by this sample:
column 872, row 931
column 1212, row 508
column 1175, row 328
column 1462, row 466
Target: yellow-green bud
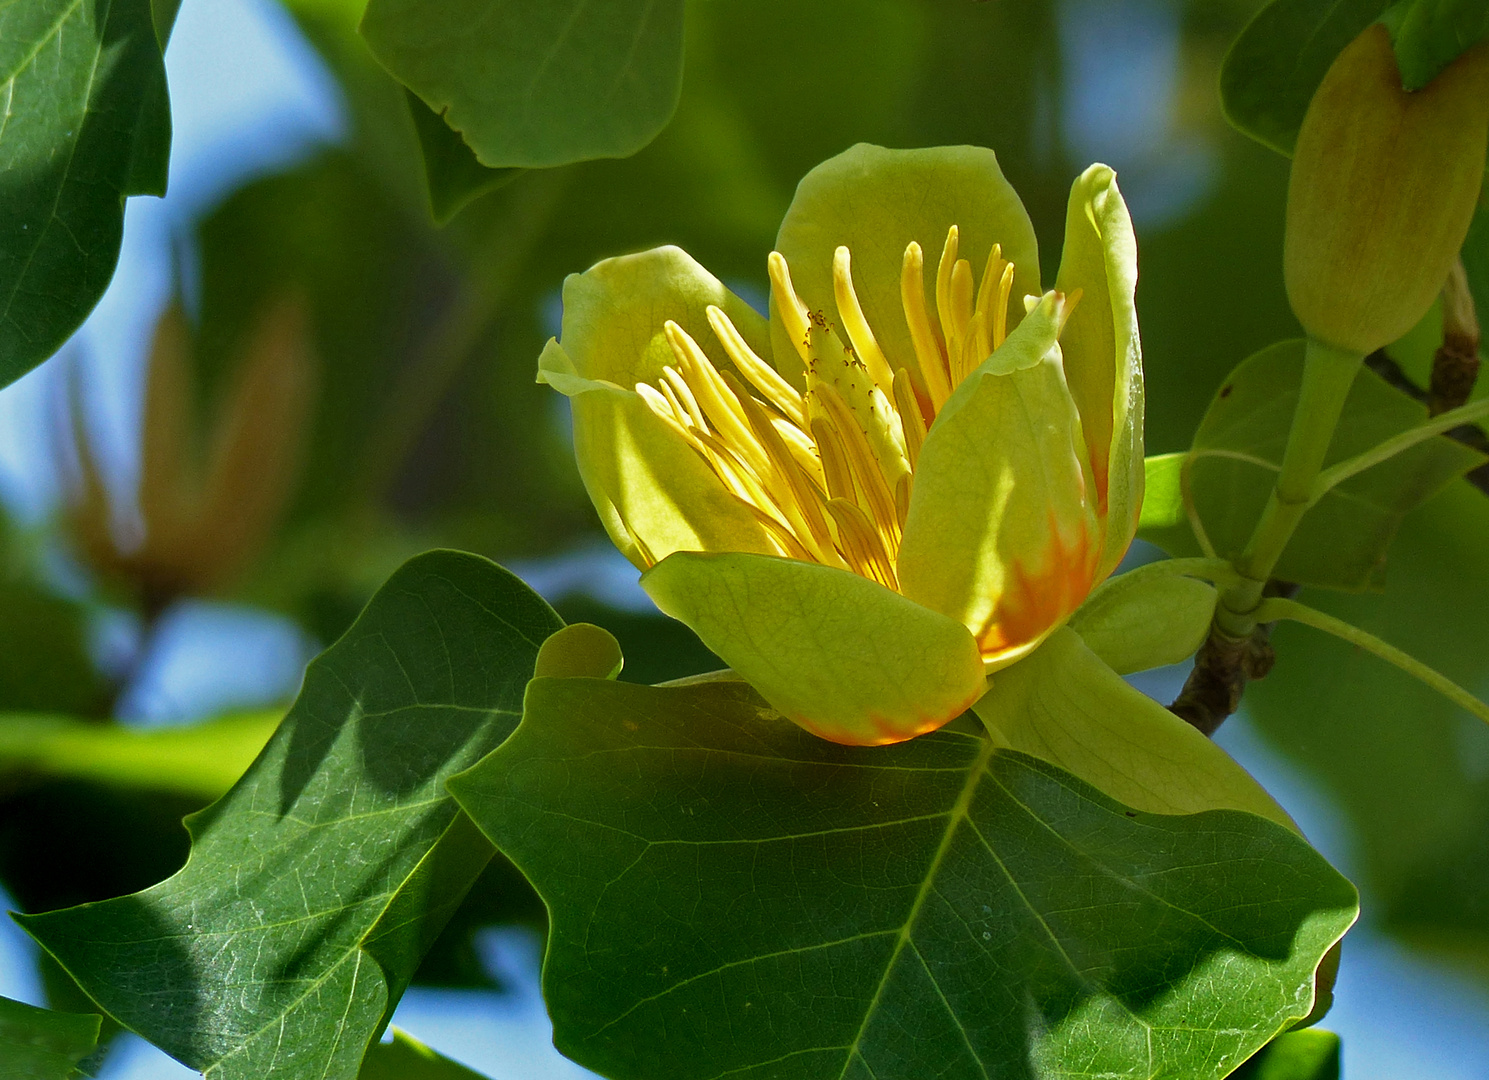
column 1383, row 186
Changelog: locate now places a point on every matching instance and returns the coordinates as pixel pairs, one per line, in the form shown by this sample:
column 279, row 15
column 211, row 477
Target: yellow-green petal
column 875, row 201
column 1000, row 533
column 841, row 655
column 1064, row 705
column 653, row 493
column 615, row 312
column 1103, row 354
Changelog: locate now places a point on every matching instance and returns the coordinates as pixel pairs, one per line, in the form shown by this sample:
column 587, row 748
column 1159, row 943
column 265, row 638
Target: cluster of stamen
column 828, row 473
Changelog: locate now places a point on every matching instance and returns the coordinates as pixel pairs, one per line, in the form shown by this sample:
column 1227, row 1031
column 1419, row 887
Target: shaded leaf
column 454, row 175
column 39, row 1044
column 316, row 884
column 406, row 1058
column 730, row 895
column 1430, row 34
column 535, row 83
column 1297, row 1055
column 1343, row 540
column 201, row 760
column 87, row 123
column 1277, row 62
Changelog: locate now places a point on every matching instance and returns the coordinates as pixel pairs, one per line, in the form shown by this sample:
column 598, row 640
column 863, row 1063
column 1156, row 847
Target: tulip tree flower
column 906, row 480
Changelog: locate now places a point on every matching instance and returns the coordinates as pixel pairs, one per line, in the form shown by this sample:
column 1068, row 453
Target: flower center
column 828, row 473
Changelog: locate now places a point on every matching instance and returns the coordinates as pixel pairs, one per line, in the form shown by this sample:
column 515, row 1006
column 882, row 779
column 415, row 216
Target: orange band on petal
column 1035, row 601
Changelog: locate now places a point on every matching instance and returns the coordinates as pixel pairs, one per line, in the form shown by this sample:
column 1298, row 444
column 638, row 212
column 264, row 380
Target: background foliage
column 424, row 427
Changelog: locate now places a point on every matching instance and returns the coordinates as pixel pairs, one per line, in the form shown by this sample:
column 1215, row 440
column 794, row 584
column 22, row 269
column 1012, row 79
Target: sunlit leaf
column 731, row 896
column 1310, row 1054
column 535, row 83
column 316, row 884
column 1276, row 64
column 406, row 1058
column 1343, row 539
column 39, row 1044
column 200, row 760
column 87, row 123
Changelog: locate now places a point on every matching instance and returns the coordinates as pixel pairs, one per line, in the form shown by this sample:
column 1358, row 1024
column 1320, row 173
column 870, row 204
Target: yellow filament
column 961, row 299
column 791, row 311
column 863, row 545
column 677, row 386
column 873, row 489
column 1000, row 306
column 857, row 327
column 765, row 378
column 943, row 287
column 928, row 348
column 717, row 400
column 910, row 416
column 834, row 459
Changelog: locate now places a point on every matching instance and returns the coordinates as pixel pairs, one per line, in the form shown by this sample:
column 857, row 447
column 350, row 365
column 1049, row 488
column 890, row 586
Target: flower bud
column 1382, row 190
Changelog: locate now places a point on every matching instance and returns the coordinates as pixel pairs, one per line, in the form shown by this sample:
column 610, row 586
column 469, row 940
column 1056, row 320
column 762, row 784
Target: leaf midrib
column 959, row 813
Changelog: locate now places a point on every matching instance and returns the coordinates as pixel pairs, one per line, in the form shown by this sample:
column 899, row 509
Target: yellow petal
column 1001, row 535
column 1103, row 356
column 654, row 494
column 842, row 656
column 875, row 202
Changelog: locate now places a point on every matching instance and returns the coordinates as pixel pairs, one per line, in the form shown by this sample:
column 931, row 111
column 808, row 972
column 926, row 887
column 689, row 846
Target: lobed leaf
column 1237, row 452
column 537, row 83
column 87, row 123
column 406, row 1058
column 1430, row 34
column 730, row 896
column 316, row 884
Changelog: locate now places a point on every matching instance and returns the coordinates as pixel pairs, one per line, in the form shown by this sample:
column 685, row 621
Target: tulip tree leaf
column 454, row 176
column 406, row 1058
column 1310, row 1054
column 730, row 896
column 1430, row 34
column 39, row 1044
column 537, row 83
column 1237, row 452
column 87, row 123
column 1277, row 62
column 316, row 884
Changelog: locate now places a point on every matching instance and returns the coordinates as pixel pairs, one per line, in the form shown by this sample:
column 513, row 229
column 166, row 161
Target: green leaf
column 87, row 123
column 454, row 175
column 406, row 1058
column 201, row 760
column 731, row 896
column 537, row 83
column 1343, row 539
column 1430, row 34
column 317, row 883
column 1277, row 62
column 1297, row 1055
column 39, row 1044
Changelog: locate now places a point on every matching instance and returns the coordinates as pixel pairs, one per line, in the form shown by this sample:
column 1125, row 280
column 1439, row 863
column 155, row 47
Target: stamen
column 854, row 323
column 876, row 496
column 675, row 380
column 961, row 299
column 792, row 312
column 719, row 404
column 928, row 349
column 1000, row 309
column 803, row 508
column 990, row 275
column 943, row 288
column 911, row 420
column 790, row 546
column 683, row 417
column 802, row 449
column 902, row 497
column 834, row 459
column 863, row 546
column 765, row 378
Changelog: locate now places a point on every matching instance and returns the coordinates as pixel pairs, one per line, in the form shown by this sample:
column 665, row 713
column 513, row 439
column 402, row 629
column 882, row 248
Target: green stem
column 1336, row 474
column 1328, row 373
column 1278, row 608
